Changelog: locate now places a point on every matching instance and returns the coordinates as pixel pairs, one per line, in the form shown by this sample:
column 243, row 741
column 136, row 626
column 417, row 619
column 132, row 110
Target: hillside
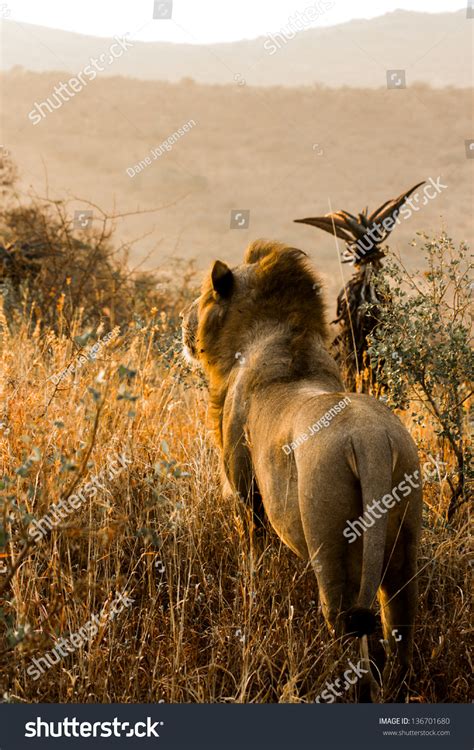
column 433, row 48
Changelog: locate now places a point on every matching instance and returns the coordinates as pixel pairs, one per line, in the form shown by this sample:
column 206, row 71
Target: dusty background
column 281, row 152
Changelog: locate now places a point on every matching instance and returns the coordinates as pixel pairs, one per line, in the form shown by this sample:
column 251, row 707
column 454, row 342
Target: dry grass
column 216, row 617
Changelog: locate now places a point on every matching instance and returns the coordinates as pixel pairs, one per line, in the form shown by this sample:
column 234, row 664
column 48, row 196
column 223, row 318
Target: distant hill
column 432, row 48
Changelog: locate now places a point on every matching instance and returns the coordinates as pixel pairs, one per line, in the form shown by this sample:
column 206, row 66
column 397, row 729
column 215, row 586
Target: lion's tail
column 375, row 481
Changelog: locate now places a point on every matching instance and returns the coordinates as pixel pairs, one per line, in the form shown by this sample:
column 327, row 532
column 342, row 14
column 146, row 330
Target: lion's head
column 274, row 285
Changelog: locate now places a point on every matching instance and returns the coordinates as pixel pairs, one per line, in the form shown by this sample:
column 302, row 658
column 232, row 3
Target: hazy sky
column 200, row 21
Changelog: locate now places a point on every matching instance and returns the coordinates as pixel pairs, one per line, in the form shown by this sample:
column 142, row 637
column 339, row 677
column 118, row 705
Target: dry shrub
column 55, row 272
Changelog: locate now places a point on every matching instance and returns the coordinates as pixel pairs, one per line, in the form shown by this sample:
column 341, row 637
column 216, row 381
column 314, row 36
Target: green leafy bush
column 422, row 345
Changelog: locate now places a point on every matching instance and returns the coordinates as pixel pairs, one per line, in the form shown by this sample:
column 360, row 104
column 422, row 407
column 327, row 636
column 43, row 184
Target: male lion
column 259, row 332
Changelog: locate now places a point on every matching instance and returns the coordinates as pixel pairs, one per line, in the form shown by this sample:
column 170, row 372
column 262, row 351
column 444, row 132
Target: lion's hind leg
column 399, row 602
column 337, row 587
column 337, row 566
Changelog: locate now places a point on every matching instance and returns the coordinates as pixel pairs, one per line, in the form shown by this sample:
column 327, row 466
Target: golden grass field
column 217, row 616
column 216, row 613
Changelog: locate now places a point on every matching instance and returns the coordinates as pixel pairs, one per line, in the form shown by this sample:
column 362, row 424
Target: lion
column 316, row 459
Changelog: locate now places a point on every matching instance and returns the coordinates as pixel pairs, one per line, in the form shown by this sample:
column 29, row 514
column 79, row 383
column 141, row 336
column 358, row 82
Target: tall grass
column 217, row 616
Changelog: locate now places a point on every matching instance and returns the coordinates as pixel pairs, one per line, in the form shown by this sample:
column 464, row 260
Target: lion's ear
column 222, row 279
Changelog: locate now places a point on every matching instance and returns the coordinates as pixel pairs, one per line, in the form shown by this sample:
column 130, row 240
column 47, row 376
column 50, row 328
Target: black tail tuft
column 360, row 621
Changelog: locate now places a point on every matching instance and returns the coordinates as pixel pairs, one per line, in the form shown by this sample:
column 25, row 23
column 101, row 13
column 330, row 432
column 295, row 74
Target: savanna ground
column 216, row 616
column 281, row 153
